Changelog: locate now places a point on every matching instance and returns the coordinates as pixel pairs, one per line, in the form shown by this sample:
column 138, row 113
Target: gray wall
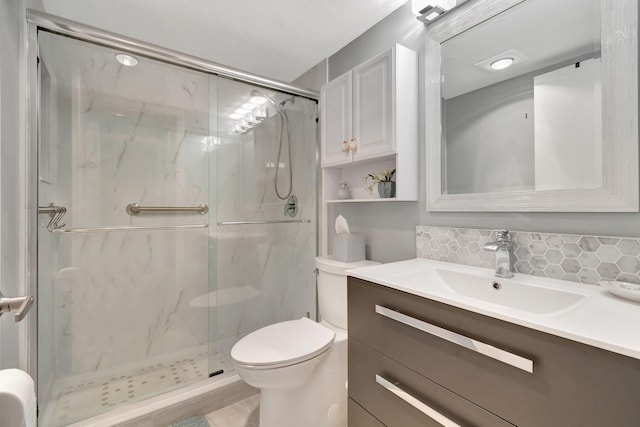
column 12, row 117
column 489, row 139
column 315, row 77
column 390, row 227
column 10, row 37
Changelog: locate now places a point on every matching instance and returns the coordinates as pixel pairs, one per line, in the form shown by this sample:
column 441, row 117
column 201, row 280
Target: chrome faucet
column 503, row 247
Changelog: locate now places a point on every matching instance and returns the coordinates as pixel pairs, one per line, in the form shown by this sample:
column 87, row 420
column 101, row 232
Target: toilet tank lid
column 330, row 265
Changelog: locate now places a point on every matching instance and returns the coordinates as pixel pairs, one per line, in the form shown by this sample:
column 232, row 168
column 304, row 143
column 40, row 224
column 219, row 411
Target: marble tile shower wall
column 577, row 258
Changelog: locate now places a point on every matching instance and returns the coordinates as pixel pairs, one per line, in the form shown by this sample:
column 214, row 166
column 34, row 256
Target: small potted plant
column 384, row 180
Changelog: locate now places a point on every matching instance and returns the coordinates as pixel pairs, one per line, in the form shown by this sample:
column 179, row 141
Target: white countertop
column 600, row 319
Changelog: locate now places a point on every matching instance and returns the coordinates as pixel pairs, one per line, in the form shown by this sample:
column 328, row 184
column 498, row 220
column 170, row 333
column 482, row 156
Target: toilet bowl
column 299, row 365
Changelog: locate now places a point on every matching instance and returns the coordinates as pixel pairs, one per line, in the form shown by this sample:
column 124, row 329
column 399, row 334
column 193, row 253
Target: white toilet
column 300, row 365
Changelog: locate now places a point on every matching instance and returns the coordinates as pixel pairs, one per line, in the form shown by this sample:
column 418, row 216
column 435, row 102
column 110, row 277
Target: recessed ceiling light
column 501, row 64
column 126, row 60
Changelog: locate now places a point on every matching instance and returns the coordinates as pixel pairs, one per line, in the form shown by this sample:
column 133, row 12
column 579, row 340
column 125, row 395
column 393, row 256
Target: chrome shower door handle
column 21, row 305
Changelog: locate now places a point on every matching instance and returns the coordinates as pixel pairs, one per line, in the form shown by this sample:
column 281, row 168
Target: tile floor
column 244, row 413
column 84, row 397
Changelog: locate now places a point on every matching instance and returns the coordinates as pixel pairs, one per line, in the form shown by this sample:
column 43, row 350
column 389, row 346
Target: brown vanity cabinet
column 476, row 370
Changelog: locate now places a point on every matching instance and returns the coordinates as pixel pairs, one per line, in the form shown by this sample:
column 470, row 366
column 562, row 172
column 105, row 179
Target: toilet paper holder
column 21, row 305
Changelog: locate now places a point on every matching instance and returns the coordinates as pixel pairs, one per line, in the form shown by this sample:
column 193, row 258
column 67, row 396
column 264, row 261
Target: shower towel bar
column 135, row 209
column 258, row 222
column 125, row 228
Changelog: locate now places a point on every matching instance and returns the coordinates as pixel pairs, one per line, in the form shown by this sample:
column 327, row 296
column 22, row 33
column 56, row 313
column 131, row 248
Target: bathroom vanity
column 434, row 343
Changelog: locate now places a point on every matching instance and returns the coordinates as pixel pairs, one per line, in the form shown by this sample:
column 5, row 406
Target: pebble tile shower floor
column 87, row 397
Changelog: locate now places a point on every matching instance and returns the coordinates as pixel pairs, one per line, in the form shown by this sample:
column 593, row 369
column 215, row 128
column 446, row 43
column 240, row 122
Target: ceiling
column 279, row 39
column 535, row 30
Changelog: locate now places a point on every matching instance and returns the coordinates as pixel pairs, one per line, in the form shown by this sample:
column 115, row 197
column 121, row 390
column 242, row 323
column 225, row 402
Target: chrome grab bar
column 135, row 209
column 259, row 222
column 126, row 228
column 57, row 212
column 419, row 405
column 21, row 305
column 466, row 342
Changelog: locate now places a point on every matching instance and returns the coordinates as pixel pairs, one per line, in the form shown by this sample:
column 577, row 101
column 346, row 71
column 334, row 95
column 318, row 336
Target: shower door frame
column 37, row 21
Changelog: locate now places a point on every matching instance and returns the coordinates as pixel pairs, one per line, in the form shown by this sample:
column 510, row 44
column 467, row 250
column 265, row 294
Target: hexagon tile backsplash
column 584, row 259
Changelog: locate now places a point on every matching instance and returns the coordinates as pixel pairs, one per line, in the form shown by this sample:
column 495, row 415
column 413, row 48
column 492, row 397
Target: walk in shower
column 161, row 239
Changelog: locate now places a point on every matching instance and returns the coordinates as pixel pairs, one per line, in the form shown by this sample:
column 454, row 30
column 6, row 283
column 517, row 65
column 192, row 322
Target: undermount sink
column 510, row 293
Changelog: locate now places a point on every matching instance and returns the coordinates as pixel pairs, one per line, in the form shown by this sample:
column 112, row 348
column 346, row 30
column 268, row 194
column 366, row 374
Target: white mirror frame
column 620, row 190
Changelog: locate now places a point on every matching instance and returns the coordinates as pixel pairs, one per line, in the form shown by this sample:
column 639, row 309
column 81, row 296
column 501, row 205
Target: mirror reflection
column 521, row 100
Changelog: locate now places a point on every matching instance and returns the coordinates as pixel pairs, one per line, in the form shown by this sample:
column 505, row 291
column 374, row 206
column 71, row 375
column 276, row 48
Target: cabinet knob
column 353, row 145
column 345, row 146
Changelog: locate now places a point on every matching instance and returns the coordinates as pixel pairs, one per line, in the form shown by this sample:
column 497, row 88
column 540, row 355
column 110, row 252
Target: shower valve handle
column 22, row 305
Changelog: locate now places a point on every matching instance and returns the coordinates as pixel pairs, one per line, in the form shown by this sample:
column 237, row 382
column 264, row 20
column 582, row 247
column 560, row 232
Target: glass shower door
column 265, row 251
column 123, row 296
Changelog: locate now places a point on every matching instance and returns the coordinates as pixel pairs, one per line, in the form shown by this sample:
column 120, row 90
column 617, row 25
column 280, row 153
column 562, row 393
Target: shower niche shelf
column 370, row 124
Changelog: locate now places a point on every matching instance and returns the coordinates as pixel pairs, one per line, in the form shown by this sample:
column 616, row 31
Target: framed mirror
column 532, row 105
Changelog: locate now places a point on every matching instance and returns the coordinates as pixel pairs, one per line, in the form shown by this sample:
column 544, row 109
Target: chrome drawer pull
column 466, row 342
column 419, row 405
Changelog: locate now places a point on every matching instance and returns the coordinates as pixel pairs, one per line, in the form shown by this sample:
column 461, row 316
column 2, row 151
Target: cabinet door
column 373, row 107
column 336, row 120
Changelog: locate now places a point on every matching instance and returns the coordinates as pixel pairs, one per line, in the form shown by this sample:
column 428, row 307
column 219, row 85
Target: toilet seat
column 283, row 344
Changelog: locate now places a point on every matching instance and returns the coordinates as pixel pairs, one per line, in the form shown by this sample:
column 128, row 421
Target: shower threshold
column 84, row 396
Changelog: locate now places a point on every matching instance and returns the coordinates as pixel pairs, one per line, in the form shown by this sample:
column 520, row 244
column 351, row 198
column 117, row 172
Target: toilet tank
column 332, row 288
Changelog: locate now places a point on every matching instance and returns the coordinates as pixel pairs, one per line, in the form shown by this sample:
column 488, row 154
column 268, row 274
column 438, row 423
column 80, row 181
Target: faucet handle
column 503, row 236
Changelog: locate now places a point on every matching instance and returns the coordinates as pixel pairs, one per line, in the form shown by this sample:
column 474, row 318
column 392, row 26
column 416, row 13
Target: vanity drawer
column 397, row 396
column 571, row 383
column 360, row 417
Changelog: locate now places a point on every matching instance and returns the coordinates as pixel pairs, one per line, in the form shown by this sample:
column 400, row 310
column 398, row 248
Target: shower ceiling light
column 258, row 100
column 251, row 119
column 237, row 128
column 126, row 60
column 260, row 113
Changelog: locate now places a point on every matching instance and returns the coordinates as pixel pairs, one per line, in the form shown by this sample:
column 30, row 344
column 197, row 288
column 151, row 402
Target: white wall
column 390, row 227
column 568, row 127
column 489, row 138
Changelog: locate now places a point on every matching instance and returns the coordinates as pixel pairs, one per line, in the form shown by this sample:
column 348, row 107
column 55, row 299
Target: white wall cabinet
column 369, row 122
